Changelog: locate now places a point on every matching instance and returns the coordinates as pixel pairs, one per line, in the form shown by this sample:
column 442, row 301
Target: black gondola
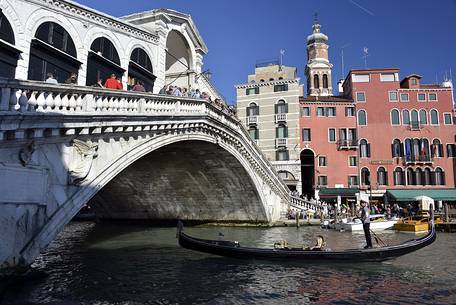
column 234, row 249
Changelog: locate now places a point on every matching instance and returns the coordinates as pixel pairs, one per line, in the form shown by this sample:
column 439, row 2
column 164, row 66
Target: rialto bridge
column 134, row 155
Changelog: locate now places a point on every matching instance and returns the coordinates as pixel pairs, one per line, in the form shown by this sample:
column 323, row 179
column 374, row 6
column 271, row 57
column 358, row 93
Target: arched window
column 316, row 81
column 425, row 150
column 103, row 61
column 408, row 149
column 434, row 117
column 281, row 107
column 427, row 176
column 416, row 149
column 437, row 148
column 8, row 55
column 364, row 149
column 140, row 70
column 396, row 148
column 410, row 177
column 439, row 176
column 405, row 117
column 365, row 176
column 325, row 81
column 419, row 177
column 399, row 176
column 252, row 110
column 52, row 51
column 395, row 120
column 254, row 133
column 281, row 131
column 415, row 119
column 382, row 176
column 362, row 118
column 423, row 117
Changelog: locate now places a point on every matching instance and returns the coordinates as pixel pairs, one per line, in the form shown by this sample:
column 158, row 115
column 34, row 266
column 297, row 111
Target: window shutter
column 440, row 150
column 286, row 87
column 277, row 155
column 277, row 132
column 432, row 178
column 257, row 90
column 286, row 132
column 368, row 150
column 257, row 134
column 286, row 108
column 247, row 111
column 443, row 178
column 393, row 150
column 247, row 91
column 276, row 108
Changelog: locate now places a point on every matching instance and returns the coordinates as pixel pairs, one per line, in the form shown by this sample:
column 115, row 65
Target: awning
column 410, row 195
column 332, row 192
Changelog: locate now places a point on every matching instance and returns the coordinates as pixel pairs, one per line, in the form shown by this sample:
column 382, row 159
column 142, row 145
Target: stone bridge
column 136, row 155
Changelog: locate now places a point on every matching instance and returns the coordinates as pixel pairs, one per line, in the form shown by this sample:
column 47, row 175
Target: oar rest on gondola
column 234, row 249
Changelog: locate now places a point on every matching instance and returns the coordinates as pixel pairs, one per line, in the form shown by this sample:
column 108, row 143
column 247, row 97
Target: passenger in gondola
column 365, row 218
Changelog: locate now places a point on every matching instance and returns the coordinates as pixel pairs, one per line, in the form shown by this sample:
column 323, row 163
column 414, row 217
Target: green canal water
column 108, row 263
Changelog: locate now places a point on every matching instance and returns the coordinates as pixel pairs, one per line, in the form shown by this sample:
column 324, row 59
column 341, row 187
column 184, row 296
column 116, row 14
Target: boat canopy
column 411, row 195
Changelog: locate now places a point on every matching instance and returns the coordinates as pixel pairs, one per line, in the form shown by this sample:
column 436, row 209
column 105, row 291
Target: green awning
column 410, row 195
column 329, row 192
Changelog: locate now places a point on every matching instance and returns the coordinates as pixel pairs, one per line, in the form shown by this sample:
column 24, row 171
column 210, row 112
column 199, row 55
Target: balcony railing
column 252, row 120
column 347, row 144
column 280, row 117
column 418, row 159
column 415, row 125
column 282, row 142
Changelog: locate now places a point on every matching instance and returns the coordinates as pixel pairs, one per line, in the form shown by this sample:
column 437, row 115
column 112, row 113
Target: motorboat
column 416, row 224
column 235, row 250
column 377, row 222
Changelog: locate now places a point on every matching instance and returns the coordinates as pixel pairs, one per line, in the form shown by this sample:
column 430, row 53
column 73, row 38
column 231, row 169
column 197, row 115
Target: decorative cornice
column 269, row 83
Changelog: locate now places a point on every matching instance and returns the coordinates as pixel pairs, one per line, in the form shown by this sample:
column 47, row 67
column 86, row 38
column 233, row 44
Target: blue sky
column 416, row 36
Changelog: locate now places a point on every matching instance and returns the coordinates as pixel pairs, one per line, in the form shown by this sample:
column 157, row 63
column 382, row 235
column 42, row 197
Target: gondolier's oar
column 378, row 238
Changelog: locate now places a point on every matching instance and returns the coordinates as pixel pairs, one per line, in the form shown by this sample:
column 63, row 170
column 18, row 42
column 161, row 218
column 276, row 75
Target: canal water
column 122, row 264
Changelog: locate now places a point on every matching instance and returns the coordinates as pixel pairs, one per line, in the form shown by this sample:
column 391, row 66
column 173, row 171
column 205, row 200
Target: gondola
column 235, row 250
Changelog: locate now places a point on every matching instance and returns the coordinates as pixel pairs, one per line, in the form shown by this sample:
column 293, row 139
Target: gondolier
column 365, row 218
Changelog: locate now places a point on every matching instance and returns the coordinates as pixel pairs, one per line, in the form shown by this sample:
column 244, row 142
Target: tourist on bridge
column 73, row 79
column 365, row 218
column 99, row 84
column 50, row 79
column 139, row 87
column 113, row 83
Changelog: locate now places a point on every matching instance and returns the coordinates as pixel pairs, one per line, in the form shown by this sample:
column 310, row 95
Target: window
column 415, row 121
column 279, row 88
column 281, row 107
column 405, row 117
column 432, row 97
column 427, row 180
column 322, row 161
column 392, row 96
column 421, row 97
column 316, row 81
column 352, row 181
column 436, row 148
column 364, row 149
column 404, row 97
column 387, row 77
column 349, row 111
column 322, row 180
column 281, row 131
column 282, row 155
column 382, row 176
column 439, row 176
column 271, row 79
column 410, row 177
column 395, row 120
column 331, row 111
column 419, row 177
column 325, row 81
column 399, row 177
column 413, row 81
column 360, row 97
column 360, row 78
column 362, row 118
column 305, row 111
column 306, row 134
column 352, row 161
column 320, row 111
column 331, row 135
column 252, row 110
column 254, row 133
column 447, row 119
column 250, row 91
column 423, row 117
column 365, row 176
column 434, row 117
column 451, row 150
column 396, row 148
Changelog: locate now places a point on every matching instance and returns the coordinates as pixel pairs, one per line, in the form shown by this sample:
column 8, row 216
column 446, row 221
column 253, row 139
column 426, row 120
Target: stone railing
column 302, row 204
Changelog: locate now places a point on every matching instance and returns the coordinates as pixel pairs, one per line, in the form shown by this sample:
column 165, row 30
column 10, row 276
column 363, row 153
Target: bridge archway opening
column 9, row 55
column 140, row 70
column 178, row 60
column 307, row 172
column 103, row 60
column 289, row 179
column 190, row 180
column 52, row 51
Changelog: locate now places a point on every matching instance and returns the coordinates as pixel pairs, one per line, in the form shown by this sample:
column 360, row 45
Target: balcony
column 347, row 144
column 280, row 117
column 415, row 125
column 282, row 142
column 250, row 120
column 418, row 159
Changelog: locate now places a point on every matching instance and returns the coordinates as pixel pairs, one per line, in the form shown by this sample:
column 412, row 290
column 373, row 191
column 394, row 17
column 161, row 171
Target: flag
column 422, row 149
column 407, row 150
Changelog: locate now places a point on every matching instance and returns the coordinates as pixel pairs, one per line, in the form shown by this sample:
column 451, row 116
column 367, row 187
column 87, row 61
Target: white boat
column 377, row 222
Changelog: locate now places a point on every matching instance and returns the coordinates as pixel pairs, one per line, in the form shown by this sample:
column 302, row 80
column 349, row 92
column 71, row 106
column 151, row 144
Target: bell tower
column 318, row 68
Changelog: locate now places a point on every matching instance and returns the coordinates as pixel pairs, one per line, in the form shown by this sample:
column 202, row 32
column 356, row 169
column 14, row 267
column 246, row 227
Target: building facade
column 269, row 107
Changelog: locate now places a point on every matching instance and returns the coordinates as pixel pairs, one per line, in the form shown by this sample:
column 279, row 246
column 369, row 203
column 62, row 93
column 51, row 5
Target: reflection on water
column 113, row 264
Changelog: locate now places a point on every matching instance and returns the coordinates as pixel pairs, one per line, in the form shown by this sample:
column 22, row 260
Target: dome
column 317, row 37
